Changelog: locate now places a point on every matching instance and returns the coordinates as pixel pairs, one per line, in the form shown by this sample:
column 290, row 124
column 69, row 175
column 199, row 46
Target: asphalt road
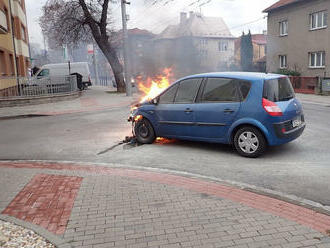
column 301, row 168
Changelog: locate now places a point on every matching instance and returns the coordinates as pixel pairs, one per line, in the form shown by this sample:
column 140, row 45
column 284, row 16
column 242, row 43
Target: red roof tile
column 280, row 4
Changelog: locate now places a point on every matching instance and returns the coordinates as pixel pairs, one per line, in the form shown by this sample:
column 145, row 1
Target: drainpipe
column 14, row 46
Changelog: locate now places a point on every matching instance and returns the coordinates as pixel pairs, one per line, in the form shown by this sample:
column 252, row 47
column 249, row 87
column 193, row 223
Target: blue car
column 248, row 110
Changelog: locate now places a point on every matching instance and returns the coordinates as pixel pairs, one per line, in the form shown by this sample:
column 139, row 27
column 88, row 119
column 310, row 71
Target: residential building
column 140, row 46
column 197, row 44
column 14, row 49
column 259, row 43
column 299, row 37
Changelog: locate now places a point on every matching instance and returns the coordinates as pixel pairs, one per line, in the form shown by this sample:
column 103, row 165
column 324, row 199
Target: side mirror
column 155, row 101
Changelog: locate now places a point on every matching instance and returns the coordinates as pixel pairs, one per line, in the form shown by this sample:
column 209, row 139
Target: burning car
column 249, row 110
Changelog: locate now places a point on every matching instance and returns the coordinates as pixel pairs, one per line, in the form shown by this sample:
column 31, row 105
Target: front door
column 217, row 107
column 175, row 110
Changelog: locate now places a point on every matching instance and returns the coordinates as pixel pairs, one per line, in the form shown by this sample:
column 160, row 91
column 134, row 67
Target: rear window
column 278, row 90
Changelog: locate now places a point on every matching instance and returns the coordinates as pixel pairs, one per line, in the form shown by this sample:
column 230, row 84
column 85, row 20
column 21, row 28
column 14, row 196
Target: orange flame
column 152, row 87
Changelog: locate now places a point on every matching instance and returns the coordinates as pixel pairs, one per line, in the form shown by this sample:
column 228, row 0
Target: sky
column 239, row 15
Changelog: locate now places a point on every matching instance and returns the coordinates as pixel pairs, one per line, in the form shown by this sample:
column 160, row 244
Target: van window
column 220, row 90
column 44, row 73
column 278, row 90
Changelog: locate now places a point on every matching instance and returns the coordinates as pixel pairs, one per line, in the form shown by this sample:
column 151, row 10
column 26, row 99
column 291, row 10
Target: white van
column 56, row 70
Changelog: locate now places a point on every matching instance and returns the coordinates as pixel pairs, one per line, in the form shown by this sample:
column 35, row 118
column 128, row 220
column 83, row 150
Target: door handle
column 228, row 111
column 188, row 110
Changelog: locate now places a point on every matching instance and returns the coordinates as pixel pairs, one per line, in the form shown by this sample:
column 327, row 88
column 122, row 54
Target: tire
column 250, row 142
column 144, row 132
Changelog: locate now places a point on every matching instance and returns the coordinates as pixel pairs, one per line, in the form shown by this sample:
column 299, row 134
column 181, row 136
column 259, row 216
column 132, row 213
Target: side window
column 220, row 90
column 168, row 96
column 244, row 88
column 44, row 73
column 187, row 90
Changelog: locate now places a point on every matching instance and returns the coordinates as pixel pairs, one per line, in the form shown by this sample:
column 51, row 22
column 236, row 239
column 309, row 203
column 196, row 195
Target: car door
column 175, row 109
column 217, row 106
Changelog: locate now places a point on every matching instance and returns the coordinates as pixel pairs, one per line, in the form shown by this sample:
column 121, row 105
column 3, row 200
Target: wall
column 300, row 40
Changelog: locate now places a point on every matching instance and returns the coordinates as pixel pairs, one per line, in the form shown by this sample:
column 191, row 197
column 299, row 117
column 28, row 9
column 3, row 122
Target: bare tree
column 71, row 21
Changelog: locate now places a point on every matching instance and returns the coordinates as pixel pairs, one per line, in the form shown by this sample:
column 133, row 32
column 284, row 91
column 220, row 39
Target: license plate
column 296, row 122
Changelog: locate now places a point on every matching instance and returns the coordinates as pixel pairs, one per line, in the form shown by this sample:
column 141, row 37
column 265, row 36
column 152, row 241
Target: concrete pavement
column 93, row 206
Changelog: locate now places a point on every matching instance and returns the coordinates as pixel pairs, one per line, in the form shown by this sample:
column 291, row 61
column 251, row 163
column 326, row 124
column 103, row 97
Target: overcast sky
column 236, row 14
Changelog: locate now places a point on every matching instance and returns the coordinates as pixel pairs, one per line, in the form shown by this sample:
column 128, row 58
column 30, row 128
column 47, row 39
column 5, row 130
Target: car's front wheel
column 249, row 142
column 144, row 131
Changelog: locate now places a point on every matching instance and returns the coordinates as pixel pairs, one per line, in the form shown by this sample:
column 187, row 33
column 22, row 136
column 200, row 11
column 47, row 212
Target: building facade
column 14, row 48
column 197, row 44
column 299, row 37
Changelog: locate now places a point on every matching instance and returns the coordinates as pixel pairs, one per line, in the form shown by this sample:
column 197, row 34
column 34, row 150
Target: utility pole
column 125, row 48
column 97, row 81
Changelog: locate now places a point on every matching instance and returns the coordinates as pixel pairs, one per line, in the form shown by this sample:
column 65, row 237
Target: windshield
column 278, row 90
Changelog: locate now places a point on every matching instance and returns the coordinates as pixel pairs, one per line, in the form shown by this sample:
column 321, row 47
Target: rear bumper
column 282, row 132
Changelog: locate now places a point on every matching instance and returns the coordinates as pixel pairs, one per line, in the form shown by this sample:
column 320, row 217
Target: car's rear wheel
column 144, row 132
column 249, row 142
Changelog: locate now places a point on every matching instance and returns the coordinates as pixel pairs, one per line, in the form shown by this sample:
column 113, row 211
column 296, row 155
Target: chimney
column 183, row 17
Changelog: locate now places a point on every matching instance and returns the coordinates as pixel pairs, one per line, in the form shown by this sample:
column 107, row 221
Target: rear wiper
column 287, row 98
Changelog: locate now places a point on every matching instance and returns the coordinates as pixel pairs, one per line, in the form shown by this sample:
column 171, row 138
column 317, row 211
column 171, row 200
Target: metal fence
column 33, row 87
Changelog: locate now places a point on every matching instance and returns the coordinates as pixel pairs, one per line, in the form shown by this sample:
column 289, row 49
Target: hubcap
column 143, row 130
column 248, row 142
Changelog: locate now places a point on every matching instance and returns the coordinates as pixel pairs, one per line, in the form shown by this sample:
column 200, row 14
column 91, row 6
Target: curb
column 52, row 238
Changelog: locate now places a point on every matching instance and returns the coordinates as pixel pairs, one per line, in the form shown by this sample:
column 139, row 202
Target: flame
column 152, row 87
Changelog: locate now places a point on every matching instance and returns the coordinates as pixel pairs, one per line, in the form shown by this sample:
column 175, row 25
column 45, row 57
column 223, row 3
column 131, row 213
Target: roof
column 137, row 31
column 198, row 26
column 281, row 4
column 238, row 75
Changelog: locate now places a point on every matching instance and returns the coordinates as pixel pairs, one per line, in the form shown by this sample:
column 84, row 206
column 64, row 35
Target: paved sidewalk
column 314, row 99
column 111, row 207
column 94, row 99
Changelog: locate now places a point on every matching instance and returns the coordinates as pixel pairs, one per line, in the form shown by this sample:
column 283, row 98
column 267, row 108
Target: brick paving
column 128, row 208
column 46, row 200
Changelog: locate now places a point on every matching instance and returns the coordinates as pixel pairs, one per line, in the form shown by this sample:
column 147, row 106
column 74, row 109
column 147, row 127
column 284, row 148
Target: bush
column 288, row 72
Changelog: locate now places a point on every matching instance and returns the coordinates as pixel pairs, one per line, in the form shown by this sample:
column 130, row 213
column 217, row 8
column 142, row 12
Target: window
column 2, row 64
column 23, row 33
column 203, row 42
column 3, row 21
column 168, row 95
column 284, row 28
column 244, row 88
column 44, row 73
column 223, row 45
column 283, row 61
column 318, row 20
column 317, row 59
column 187, row 91
column 11, row 63
column 220, row 90
column 277, row 90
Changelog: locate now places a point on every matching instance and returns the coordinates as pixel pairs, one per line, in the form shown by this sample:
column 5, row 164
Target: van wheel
column 249, row 142
column 144, row 132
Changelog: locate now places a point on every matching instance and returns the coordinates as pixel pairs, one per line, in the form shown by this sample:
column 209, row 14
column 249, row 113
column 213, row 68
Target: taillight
column 271, row 108
column 89, row 78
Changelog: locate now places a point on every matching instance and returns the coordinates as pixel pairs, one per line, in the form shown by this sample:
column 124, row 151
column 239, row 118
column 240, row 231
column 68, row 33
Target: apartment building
column 299, row 37
column 14, row 49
